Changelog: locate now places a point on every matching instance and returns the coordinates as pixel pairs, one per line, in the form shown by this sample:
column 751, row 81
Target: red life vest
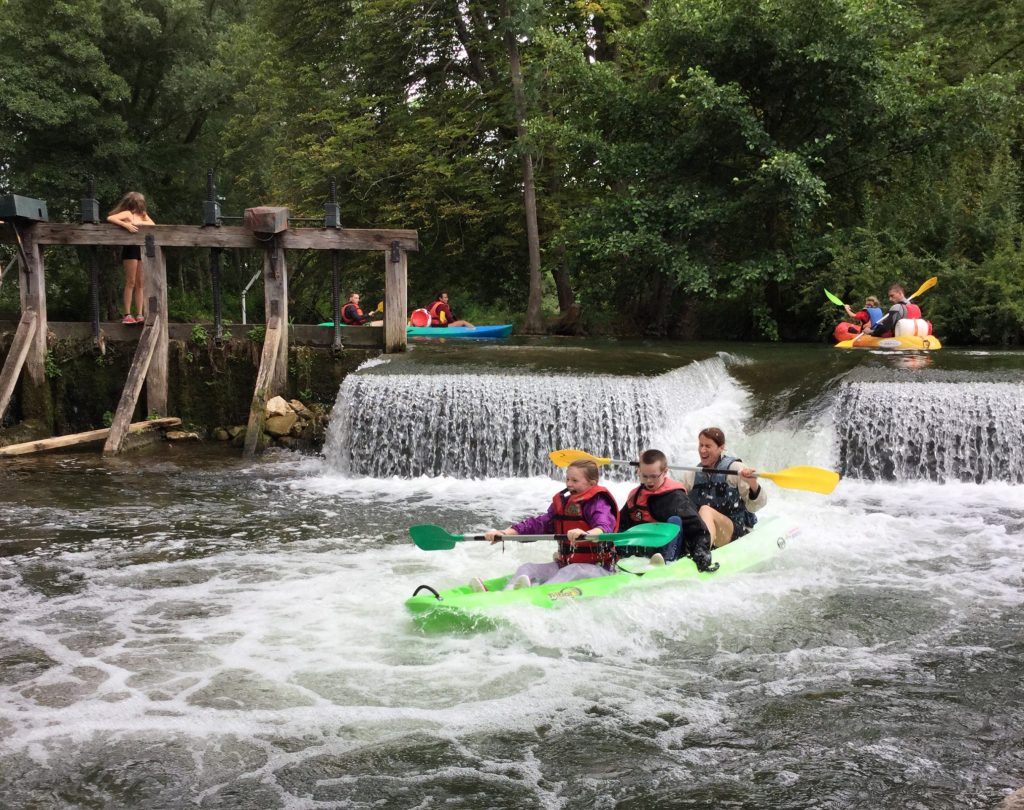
column 347, row 317
column 913, row 310
column 569, row 515
column 435, row 311
column 636, row 503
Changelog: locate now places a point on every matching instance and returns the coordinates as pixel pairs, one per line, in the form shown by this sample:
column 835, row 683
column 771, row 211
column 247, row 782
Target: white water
column 969, row 431
column 278, row 668
column 503, row 424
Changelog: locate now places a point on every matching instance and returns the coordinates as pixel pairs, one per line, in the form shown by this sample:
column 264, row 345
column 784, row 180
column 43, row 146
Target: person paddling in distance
column 352, row 315
column 726, row 503
column 584, row 507
column 130, row 213
column 658, row 499
column 901, row 308
column 870, row 315
column 441, row 313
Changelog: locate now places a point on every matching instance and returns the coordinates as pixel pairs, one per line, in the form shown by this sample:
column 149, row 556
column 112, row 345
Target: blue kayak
column 498, row 330
column 485, row 331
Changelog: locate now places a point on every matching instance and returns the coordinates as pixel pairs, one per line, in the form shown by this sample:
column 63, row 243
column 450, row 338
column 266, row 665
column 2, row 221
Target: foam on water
column 254, row 650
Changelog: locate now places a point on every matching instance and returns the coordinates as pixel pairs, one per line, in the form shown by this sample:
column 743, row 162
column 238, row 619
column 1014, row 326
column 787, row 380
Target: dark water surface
column 183, row 629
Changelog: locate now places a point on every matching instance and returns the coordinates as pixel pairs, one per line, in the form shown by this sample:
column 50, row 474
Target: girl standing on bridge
column 129, row 214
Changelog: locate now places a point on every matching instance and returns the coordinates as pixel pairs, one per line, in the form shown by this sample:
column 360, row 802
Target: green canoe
column 464, row 609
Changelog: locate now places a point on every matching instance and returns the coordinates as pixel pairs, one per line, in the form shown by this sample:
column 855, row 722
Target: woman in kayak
column 441, row 313
column 582, row 508
column 726, row 503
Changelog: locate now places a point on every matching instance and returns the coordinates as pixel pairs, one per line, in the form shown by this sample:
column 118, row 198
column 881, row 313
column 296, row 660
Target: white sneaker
column 477, row 585
column 657, row 559
column 521, row 581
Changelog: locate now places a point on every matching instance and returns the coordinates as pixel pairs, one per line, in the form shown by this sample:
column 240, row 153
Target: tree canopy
column 699, row 167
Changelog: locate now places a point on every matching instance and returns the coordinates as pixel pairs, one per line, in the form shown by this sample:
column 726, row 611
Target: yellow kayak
column 904, row 342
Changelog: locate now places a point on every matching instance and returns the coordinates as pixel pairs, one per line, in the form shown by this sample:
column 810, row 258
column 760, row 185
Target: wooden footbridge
column 265, row 229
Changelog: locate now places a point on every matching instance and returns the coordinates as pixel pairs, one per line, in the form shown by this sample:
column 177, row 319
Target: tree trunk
column 534, row 321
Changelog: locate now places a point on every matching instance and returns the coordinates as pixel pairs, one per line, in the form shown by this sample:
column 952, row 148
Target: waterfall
column 501, row 424
column 939, row 431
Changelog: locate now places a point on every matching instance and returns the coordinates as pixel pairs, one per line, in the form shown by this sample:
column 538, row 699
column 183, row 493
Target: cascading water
column 504, row 424
column 939, row 431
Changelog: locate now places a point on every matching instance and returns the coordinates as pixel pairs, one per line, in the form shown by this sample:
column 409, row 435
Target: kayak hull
column 903, row 343
column 494, row 330
column 484, row 331
column 463, row 609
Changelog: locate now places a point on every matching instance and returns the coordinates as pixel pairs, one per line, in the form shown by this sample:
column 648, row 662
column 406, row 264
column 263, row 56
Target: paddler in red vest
column 657, row 499
column 901, row 308
column 352, row 315
column 441, row 313
column 582, row 508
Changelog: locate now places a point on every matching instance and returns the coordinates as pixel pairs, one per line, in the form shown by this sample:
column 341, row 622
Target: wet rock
column 281, row 425
column 182, row 436
column 221, row 435
column 278, row 407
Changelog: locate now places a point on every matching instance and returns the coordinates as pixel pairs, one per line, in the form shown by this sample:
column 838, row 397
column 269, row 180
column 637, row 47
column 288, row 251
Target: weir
column 505, row 423
column 937, row 431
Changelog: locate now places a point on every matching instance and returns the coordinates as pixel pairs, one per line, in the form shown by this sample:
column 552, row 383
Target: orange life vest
column 568, row 510
column 636, row 503
column 347, row 318
column 437, row 316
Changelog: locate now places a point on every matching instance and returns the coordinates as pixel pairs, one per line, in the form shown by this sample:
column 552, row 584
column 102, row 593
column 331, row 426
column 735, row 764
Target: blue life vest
column 875, row 314
column 721, row 493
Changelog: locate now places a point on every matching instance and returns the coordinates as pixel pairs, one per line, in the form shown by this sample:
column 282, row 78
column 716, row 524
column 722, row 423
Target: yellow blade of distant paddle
column 926, row 286
column 563, row 458
column 812, row 479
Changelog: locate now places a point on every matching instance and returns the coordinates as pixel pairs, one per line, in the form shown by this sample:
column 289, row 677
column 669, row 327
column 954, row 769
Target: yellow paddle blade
column 563, row 458
column 812, row 479
column 926, row 286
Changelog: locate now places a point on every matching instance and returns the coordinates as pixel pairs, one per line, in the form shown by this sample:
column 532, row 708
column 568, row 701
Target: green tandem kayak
column 462, row 608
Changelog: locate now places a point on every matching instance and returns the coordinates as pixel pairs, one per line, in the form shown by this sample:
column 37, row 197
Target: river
column 183, row 629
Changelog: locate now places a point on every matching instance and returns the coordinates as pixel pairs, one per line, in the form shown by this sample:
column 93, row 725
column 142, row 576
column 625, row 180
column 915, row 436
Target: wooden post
column 35, row 393
column 395, row 299
column 154, row 283
column 133, row 386
column 268, row 362
column 16, row 358
column 275, row 304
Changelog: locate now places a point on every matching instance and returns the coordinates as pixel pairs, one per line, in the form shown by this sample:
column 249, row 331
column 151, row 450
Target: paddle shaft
column 689, row 469
column 528, row 538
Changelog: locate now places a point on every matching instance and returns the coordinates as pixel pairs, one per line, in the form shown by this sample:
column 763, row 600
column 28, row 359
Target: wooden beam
column 133, row 386
column 32, row 283
column 16, row 358
column 227, row 236
column 90, row 436
column 395, row 282
column 275, row 305
column 154, row 283
column 257, row 410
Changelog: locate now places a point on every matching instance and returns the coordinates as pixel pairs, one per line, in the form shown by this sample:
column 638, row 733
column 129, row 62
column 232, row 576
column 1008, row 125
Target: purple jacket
column 597, row 514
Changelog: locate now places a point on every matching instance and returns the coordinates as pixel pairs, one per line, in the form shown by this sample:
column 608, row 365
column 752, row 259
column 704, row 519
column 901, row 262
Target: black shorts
column 131, row 252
